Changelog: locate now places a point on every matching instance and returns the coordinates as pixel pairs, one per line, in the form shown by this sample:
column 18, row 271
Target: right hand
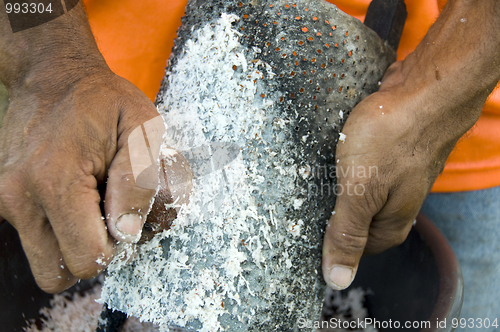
column 57, row 143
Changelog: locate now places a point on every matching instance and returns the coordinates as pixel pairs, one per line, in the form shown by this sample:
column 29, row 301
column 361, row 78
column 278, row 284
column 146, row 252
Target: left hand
column 405, row 132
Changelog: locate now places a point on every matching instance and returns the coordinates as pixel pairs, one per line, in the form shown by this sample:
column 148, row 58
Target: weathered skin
column 279, row 85
column 4, row 102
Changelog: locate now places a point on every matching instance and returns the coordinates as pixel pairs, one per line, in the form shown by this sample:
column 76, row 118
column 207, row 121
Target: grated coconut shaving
column 217, row 222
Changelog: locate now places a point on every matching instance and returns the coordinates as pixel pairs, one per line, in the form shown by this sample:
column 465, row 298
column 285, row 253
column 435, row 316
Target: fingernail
column 341, row 276
column 129, row 227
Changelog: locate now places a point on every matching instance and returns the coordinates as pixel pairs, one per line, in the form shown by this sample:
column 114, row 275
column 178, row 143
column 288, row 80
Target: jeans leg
column 471, row 223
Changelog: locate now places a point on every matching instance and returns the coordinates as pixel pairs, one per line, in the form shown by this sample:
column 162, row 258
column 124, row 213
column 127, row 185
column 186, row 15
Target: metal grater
column 277, row 79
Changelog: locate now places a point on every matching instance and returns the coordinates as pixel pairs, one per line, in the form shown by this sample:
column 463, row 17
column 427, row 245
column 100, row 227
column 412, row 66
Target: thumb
column 345, row 240
column 133, row 180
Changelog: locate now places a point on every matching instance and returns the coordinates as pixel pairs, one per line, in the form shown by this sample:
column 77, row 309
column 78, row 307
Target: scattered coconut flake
column 297, row 203
column 70, row 313
column 347, row 308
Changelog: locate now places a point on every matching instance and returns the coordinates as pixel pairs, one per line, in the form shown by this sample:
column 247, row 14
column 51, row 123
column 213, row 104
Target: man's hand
column 389, row 161
column 398, row 139
column 66, row 131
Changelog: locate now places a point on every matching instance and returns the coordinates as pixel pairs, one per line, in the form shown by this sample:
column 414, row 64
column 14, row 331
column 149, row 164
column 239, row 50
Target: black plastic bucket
column 418, row 283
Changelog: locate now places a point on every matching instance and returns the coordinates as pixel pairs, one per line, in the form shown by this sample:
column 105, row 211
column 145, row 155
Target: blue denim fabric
column 471, row 223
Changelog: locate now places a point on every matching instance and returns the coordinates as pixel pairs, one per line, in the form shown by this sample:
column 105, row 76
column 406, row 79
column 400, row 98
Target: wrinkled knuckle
column 85, row 268
column 51, row 288
column 89, row 265
column 377, row 194
column 121, row 175
column 376, row 246
column 91, row 150
column 125, row 182
column 44, row 183
column 53, row 284
column 349, row 243
column 378, row 243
